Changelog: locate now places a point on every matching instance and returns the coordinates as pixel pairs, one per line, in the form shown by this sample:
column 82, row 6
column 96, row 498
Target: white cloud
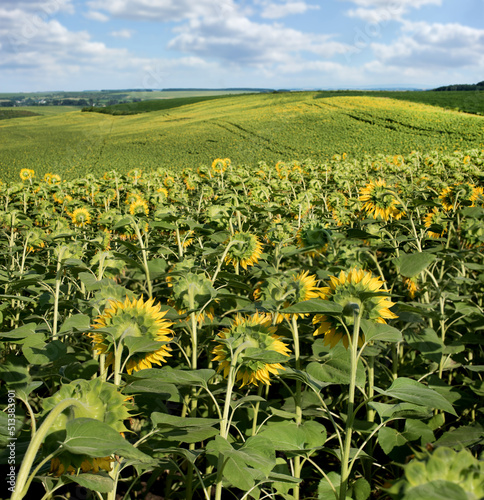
column 161, row 10
column 122, row 33
column 433, row 46
column 236, row 39
column 94, row 15
column 278, row 10
column 377, row 11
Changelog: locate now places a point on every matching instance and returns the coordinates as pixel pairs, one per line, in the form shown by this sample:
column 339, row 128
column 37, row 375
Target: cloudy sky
column 112, row 44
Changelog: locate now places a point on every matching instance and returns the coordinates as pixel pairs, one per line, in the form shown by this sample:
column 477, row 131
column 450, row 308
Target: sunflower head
column 100, row 401
column 284, row 292
column 435, row 219
column 81, row 217
column 379, row 200
column 245, row 249
column 26, row 174
column 192, row 292
column 139, row 207
column 313, row 236
column 356, row 289
column 132, row 318
column 252, row 332
column 279, row 232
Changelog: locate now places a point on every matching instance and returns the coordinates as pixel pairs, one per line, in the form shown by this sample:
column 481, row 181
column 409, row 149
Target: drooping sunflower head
column 433, row 220
column 100, row 401
column 245, row 249
column 313, row 236
column 133, row 318
column 26, row 174
column 379, row 200
column 192, row 292
column 357, row 288
column 81, row 217
column 279, row 232
column 139, row 207
column 255, row 332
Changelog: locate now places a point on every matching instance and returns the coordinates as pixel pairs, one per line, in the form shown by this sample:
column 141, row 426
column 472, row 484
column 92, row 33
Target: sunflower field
column 296, row 330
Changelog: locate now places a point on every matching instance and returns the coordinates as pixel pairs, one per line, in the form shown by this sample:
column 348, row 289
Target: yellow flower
column 256, row 332
column 135, row 318
column 379, row 200
column 93, row 465
column 26, row 174
column 435, row 218
column 139, row 207
column 246, row 251
column 81, row 217
column 359, row 288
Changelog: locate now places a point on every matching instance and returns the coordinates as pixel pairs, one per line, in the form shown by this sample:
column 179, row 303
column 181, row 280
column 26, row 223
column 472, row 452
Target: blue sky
column 112, row 44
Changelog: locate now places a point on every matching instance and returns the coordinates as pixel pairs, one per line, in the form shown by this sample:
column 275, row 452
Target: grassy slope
column 247, row 129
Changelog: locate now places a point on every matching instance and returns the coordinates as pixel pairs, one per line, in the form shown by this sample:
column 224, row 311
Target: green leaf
column 436, row 490
column 336, row 368
column 314, row 306
column 388, row 438
column 361, row 489
column 163, row 419
column 379, row 331
column 21, row 332
column 412, row 391
column 285, row 436
column 410, row 265
column 141, row 344
column 325, row 491
column 427, row 342
column 263, row 355
column 42, row 353
column 399, row 410
column 95, row 482
column 87, row 436
column 178, row 377
column 464, row 436
column 79, row 322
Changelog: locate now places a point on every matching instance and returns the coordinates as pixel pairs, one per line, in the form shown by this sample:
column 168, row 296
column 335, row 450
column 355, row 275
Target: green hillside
column 246, row 128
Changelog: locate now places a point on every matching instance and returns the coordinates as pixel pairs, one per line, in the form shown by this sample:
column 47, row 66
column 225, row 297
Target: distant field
column 466, row 101
column 8, row 113
column 153, row 104
column 246, row 128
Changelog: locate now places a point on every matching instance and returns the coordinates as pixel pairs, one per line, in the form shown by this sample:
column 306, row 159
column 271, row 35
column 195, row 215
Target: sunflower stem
column 144, row 255
column 345, row 459
column 58, row 280
column 224, row 427
column 297, row 459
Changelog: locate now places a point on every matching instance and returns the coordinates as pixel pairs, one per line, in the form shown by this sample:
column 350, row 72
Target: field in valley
column 247, row 129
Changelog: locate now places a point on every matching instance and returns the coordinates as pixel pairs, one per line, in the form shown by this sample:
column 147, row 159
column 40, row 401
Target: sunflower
column 27, row 174
column 452, row 195
column 192, row 292
column 435, row 218
column 357, row 287
column 313, row 236
column 279, row 232
column 220, row 165
column 246, row 251
column 411, row 286
column 286, row 292
column 100, row 401
column 81, row 217
column 379, row 200
column 135, row 318
column 88, row 464
column 139, row 207
column 258, row 333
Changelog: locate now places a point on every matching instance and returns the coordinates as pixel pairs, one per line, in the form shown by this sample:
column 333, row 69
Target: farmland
column 248, row 129
column 262, row 296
